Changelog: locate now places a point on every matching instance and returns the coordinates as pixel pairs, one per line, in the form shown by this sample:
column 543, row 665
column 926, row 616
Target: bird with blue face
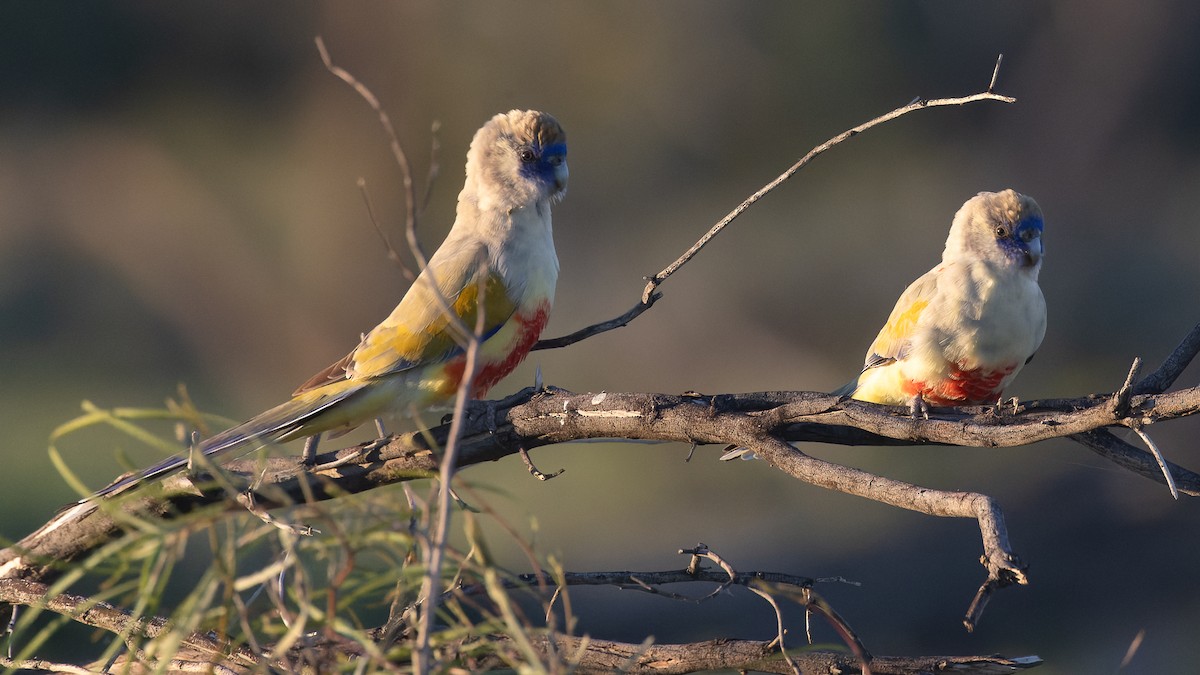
column 960, row 333
column 498, row 260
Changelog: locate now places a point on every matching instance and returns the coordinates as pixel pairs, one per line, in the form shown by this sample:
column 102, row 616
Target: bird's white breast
column 1001, row 317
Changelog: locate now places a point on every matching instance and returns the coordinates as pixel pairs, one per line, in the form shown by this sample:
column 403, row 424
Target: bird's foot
column 356, row 456
column 550, row 390
column 1002, row 405
column 485, row 410
column 309, row 458
column 918, row 408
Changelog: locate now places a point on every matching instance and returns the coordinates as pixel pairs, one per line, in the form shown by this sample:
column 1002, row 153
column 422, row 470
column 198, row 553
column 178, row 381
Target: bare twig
column 468, row 337
column 435, row 551
column 392, row 253
column 1134, row 646
column 461, row 331
column 435, row 167
column 995, row 73
column 1158, row 456
column 780, row 630
column 534, row 471
column 662, row 577
column 650, row 293
column 1120, row 398
column 1173, row 366
column 813, row 602
column 398, row 153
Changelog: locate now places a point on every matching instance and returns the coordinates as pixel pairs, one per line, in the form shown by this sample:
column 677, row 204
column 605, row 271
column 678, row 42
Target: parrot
column 960, row 333
column 498, row 258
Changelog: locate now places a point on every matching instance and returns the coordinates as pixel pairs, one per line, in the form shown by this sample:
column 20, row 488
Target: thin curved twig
column 650, row 293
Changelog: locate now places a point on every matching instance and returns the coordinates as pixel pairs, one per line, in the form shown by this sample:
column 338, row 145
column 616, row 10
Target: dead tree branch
column 767, row 422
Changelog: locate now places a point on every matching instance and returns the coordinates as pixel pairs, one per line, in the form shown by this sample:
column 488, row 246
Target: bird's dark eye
column 1001, row 231
column 526, row 154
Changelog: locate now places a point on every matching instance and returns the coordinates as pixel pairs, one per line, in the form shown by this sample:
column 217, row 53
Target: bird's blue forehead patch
column 554, row 149
column 1031, row 222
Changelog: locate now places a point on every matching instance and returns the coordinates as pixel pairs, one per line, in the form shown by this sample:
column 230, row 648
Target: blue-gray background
column 178, row 204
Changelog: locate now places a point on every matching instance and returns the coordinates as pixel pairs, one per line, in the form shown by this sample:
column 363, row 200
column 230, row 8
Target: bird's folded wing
column 424, row 329
column 895, row 337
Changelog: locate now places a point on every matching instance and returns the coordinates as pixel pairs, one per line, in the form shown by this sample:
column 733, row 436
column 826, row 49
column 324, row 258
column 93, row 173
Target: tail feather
column 281, row 421
column 847, row 389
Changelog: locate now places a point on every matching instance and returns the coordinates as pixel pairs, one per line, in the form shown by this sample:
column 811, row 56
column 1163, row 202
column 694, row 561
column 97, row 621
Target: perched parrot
column 961, row 332
column 501, row 244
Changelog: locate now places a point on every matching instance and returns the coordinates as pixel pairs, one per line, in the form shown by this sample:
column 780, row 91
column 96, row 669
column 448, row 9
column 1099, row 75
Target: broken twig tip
column 995, row 73
column 1158, row 457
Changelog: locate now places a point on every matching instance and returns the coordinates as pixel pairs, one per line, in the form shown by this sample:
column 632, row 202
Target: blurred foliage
column 178, row 203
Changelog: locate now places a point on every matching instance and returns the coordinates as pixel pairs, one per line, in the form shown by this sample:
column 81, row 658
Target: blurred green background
column 178, row 204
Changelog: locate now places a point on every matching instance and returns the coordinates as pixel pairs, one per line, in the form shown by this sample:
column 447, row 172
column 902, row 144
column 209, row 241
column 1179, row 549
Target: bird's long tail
column 281, row 422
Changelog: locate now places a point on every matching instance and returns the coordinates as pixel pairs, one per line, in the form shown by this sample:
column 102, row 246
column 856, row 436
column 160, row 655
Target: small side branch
column 1158, row 381
column 1003, row 566
column 650, row 293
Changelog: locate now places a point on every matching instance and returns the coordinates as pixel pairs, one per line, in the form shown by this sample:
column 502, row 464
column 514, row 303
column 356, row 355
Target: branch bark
column 603, row 656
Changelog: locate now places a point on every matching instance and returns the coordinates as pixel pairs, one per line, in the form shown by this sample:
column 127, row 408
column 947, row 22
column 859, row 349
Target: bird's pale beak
column 1033, row 251
column 561, row 173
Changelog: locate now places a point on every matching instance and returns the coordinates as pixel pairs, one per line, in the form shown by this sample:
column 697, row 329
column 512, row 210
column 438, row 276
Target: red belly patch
column 488, row 373
column 977, row 386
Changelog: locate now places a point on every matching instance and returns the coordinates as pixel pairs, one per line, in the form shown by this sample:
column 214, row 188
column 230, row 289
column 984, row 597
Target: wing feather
column 895, row 337
column 419, row 331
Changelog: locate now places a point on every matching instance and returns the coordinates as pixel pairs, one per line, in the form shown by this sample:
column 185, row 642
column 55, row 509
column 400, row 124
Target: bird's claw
column 549, row 390
column 485, row 410
column 918, row 408
column 1001, row 404
column 309, row 458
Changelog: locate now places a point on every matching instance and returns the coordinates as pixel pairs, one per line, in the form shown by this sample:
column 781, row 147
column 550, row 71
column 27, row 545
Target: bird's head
column 1003, row 227
column 519, row 158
